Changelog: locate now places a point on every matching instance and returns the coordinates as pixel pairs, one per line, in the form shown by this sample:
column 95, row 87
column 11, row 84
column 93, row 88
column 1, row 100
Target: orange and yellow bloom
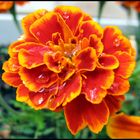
column 7, row 5
column 66, row 61
column 124, row 126
column 132, row 4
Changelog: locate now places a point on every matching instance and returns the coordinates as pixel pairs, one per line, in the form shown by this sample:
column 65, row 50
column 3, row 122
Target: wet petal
column 124, row 126
column 107, row 61
column 72, row 16
column 114, row 103
column 119, row 87
column 31, row 54
column 67, row 92
column 80, row 113
column 41, row 27
column 126, row 64
column 28, row 20
column 113, row 41
column 88, row 28
column 40, row 99
column 86, row 59
column 96, row 83
column 12, row 79
column 37, row 78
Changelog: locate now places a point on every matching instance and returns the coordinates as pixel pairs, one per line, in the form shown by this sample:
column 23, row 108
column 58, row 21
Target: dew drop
column 38, row 34
column 40, row 100
column 41, row 90
column 65, row 15
column 43, row 78
column 116, row 42
column 93, row 94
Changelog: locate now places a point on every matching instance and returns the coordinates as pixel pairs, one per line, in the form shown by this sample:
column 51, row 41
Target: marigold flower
column 131, row 4
column 7, row 5
column 124, row 126
column 65, row 60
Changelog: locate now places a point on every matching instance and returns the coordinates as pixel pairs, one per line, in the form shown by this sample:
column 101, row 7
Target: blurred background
column 17, row 120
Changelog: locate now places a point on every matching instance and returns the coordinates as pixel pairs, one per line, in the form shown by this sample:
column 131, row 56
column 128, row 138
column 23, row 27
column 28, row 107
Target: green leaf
column 101, row 6
column 14, row 14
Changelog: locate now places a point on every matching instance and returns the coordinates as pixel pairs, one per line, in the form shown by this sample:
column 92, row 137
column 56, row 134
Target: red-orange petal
column 22, row 93
column 126, row 64
column 28, row 20
column 31, row 54
column 37, row 78
column 120, row 86
column 71, row 15
column 55, row 61
column 41, row 27
column 12, row 79
column 107, row 61
column 113, row 41
column 88, row 28
column 114, row 103
column 12, row 65
column 80, row 113
column 13, row 46
column 66, row 92
column 96, row 43
column 86, row 59
column 95, row 84
column 123, row 126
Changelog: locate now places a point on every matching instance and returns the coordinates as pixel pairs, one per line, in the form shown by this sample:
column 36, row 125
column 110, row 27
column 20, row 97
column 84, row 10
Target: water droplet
column 43, row 78
column 37, row 33
column 65, row 15
column 102, row 64
column 63, row 85
column 14, row 67
column 114, row 87
column 93, row 94
column 24, row 82
column 41, row 90
column 40, row 100
column 116, row 42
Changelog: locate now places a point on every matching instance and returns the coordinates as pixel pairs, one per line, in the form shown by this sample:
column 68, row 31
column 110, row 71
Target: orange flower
column 7, row 5
column 131, row 4
column 124, row 126
column 67, row 61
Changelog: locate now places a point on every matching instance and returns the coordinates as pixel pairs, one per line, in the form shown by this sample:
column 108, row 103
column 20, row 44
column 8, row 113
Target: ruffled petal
column 80, row 113
column 95, row 84
column 55, row 61
column 126, row 64
column 36, row 78
column 86, row 59
column 119, row 87
column 12, row 65
column 28, row 20
column 12, row 79
column 114, row 103
column 123, row 126
column 96, row 43
column 66, row 92
column 41, row 27
column 31, row 54
column 88, row 28
column 108, row 62
column 11, row 48
column 71, row 15
column 113, row 41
